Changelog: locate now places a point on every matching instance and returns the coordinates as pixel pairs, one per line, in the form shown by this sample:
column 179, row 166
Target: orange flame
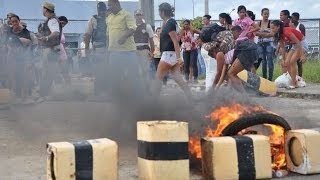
column 224, row 116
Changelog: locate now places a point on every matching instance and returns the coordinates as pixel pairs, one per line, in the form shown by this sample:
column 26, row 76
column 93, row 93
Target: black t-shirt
column 13, row 38
column 166, row 43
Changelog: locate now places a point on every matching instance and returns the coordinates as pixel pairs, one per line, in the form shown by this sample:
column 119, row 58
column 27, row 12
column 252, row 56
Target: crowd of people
column 124, row 48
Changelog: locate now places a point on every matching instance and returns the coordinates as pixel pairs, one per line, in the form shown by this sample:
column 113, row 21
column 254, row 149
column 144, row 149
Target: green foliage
column 196, row 22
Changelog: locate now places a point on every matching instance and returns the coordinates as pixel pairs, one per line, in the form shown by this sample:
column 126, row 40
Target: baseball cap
column 49, row 6
column 138, row 12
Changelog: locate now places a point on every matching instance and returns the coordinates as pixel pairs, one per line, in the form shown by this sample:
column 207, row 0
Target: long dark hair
column 167, row 9
column 226, row 17
column 251, row 15
column 187, row 21
column 241, row 7
column 279, row 34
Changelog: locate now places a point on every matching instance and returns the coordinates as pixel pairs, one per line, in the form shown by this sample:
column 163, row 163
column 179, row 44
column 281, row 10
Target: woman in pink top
column 245, row 23
column 190, row 53
column 290, row 35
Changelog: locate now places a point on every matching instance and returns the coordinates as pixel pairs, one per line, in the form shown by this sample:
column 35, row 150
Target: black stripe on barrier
column 84, row 160
column 163, row 150
column 245, row 153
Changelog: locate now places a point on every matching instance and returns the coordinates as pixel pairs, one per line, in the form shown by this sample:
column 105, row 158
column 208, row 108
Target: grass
column 311, row 71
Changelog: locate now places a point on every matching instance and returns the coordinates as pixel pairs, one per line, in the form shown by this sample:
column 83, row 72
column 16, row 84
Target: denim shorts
column 304, row 45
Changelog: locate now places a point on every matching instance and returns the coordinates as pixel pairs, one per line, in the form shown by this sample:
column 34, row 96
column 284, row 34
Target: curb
column 281, row 94
column 298, row 95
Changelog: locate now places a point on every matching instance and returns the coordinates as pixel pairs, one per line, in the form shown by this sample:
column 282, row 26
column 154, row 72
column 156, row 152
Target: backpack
column 99, row 34
column 209, row 33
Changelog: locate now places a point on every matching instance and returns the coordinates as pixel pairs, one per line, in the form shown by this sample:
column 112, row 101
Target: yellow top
column 118, row 24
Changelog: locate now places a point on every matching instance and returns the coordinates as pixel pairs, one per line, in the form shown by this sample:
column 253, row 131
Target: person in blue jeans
column 265, row 46
column 190, row 51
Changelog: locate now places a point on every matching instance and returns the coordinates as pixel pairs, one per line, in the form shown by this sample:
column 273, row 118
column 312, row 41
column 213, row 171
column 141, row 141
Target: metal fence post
column 319, row 38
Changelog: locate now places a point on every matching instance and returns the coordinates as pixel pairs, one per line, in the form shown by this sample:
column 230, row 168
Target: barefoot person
column 290, row 35
column 169, row 47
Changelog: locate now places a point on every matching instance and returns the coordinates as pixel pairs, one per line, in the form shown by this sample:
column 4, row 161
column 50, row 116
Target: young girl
column 245, row 22
column 265, row 46
column 225, row 21
column 290, row 35
column 190, row 52
column 169, row 47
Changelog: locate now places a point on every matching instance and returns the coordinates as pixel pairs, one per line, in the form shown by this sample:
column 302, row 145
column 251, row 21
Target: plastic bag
column 283, row 81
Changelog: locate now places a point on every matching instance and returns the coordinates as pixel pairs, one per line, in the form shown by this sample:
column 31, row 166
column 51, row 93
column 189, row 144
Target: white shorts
column 228, row 57
column 169, row 57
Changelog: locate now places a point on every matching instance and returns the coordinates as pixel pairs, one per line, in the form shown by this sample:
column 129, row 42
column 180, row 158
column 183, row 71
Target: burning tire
column 252, row 120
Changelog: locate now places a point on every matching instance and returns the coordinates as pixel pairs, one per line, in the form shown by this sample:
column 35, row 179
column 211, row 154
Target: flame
column 224, row 116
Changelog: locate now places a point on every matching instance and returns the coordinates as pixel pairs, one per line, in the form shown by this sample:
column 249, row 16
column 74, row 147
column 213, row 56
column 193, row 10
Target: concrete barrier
column 5, row 96
column 303, row 151
column 239, row 157
column 93, row 159
column 163, row 150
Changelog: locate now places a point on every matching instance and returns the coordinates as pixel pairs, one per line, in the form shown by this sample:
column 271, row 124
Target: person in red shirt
column 290, row 35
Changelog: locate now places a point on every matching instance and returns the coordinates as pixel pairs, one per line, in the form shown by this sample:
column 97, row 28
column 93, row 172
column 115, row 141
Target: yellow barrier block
column 163, row 150
column 93, row 159
column 238, row 157
column 303, row 151
column 5, row 96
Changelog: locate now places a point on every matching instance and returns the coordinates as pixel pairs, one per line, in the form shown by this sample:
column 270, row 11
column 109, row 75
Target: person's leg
column 177, row 77
column 220, row 62
column 194, row 63
column 269, row 59
column 235, row 68
column 292, row 67
column 162, row 70
column 264, row 61
column 300, row 69
column 186, row 59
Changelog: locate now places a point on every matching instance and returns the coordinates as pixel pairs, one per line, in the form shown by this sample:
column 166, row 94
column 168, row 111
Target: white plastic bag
column 283, row 81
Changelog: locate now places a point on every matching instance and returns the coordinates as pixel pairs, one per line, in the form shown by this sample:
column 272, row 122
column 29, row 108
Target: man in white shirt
column 143, row 37
column 49, row 39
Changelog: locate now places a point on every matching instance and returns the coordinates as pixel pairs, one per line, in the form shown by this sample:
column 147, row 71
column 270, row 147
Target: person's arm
column 302, row 29
column 173, row 36
column 131, row 27
column 223, row 74
column 25, row 41
column 54, row 27
column 281, row 47
column 87, row 35
column 151, row 35
column 264, row 34
column 255, row 28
